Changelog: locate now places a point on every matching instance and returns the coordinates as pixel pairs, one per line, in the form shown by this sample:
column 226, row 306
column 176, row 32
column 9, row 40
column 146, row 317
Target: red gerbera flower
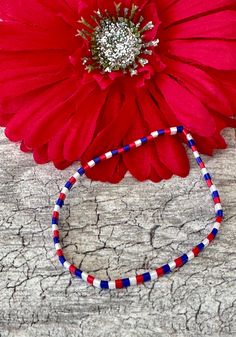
column 79, row 77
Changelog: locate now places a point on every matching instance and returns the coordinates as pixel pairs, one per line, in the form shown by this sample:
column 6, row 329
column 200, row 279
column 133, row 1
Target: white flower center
column 117, row 45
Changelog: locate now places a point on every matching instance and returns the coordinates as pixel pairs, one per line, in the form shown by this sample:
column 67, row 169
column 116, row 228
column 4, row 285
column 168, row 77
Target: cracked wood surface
column 111, row 231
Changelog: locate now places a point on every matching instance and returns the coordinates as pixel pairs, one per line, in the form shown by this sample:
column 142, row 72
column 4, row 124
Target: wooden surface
column 113, row 231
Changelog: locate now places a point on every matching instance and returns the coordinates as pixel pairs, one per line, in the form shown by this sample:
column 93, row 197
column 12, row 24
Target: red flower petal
column 20, row 126
column 204, row 87
column 183, row 10
column 109, row 135
column 220, row 25
column 187, row 108
column 217, row 54
column 19, row 75
column 166, row 156
column 83, row 125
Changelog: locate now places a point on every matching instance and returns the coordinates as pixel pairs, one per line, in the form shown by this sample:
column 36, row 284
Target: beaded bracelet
column 149, row 275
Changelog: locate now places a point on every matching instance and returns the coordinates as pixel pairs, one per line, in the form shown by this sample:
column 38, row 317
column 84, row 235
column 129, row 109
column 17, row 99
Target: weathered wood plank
column 151, row 223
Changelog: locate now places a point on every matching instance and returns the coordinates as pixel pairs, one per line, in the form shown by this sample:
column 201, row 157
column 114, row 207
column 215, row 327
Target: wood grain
column 113, row 231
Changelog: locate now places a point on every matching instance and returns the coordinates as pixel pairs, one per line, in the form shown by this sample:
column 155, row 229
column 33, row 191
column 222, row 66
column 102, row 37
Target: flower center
column 117, row 45
column 117, row 42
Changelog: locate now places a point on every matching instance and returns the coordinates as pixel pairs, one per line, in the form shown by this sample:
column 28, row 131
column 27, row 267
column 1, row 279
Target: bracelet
column 160, row 271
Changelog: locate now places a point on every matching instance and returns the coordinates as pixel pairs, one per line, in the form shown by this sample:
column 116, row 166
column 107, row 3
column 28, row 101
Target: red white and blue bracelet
column 164, row 269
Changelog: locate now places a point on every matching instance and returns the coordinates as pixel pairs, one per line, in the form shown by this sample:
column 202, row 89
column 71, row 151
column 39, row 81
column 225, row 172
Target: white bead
column 138, row 143
column 189, row 136
column 173, row 131
column 66, row 265
column 196, row 154
column 153, row 275
column 57, row 246
column 217, row 225
column 96, row 283
column 84, row 276
column 204, row 171
column 154, row 134
column 213, row 188
column 133, row 281
column 206, row 242
column 91, row 163
column 218, row 207
column 172, row 265
column 112, row 285
column 65, row 190
column 57, row 208
column 54, row 227
column 190, row 255
column 108, row 154
column 76, row 175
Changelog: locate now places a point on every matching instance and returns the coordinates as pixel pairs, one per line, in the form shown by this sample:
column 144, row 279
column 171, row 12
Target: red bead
column 56, row 233
column 59, row 252
column 72, row 180
column 103, row 157
column 139, row 279
column 196, row 251
column 210, row 237
column 72, row 269
column 121, row 150
column 119, row 284
column 62, row 196
column 132, row 145
column 219, row 219
column 216, row 200
column 178, row 262
column 90, row 279
column 150, row 137
column 202, row 165
column 55, row 215
column 209, row 183
column 160, row 272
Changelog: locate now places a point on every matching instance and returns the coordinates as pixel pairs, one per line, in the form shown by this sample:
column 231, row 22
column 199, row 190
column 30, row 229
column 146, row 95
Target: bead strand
column 164, row 269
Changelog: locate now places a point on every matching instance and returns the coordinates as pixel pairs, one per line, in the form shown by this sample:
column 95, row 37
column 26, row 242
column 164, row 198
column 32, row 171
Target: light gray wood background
column 112, row 231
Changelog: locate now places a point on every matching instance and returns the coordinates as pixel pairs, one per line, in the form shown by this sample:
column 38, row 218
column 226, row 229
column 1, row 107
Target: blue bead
column 114, row 152
column 97, row 160
column 143, row 140
column 215, row 194
column 56, row 240
column 146, row 277
column 81, row 171
column 62, row 259
column 180, row 129
column 191, row 143
column 161, row 132
column 166, row 268
column 60, row 202
column 126, row 148
column 199, row 160
column 219, row 213
column 184, row 258
column 78, row 273
column 214, row 231
column 104, row 284
column 54, row 221
column 207, row 176
column 201, row 246
column 68, row 185
column 126, row 282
